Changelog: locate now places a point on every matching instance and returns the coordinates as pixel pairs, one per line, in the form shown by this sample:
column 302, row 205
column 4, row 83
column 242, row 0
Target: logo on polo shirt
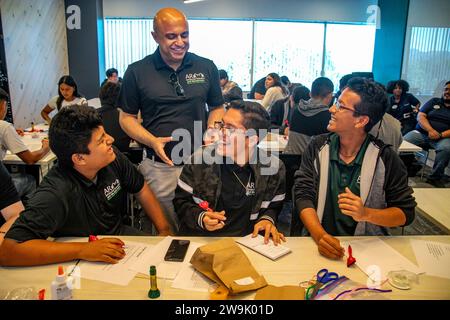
column 112, row 190
column 195, row 78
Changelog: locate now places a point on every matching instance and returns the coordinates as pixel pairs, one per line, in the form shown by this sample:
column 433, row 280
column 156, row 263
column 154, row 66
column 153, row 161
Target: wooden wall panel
column 36, row 54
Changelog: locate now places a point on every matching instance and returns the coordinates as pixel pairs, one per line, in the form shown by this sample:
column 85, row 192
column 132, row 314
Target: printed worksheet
column 432, row 257
column 120, row 273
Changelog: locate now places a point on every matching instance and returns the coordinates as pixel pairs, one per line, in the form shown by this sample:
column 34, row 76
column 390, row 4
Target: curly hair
column 402, row 84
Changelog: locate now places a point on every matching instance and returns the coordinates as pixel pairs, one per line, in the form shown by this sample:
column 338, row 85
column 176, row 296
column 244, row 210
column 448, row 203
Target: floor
column 420, row 226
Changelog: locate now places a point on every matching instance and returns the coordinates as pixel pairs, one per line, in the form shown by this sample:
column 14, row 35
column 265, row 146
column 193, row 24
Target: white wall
column 308, row 10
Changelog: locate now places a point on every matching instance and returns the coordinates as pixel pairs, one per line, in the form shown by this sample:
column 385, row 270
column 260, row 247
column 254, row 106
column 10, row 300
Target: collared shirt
column 341, row 175
column 66, row 204
column 438, row 115
column 403, row 110
column 147, row 88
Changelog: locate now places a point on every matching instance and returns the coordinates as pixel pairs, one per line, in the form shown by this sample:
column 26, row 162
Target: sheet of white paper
column 432, row 257
column 119, row 273
column 190, row 279
column 269, row 250
column 245, row 281
column 375, row 258
column 165, row 269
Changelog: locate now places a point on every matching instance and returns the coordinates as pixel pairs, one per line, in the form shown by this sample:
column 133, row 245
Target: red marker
column 350, row 260
column 92, row 238
column 205, row 206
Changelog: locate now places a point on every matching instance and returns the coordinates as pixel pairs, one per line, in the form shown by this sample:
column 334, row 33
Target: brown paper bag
column 226, row 264
column 281, row 293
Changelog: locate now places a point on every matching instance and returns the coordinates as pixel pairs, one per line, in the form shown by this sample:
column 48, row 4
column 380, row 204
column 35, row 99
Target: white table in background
column 407, row 147
column 33, row 140
column 435, row 204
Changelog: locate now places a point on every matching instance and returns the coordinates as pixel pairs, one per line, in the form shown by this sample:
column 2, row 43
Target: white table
column 301, row 264
column 435, row 204
column 274, row 142
column 33, row 142
column 407, row 147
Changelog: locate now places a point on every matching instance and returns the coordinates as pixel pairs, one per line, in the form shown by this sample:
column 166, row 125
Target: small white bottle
column 60, row 288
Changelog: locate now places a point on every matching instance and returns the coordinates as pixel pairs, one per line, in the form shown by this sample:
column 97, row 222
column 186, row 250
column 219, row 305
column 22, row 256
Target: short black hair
column 3, row 95
column 321, row 87
column 402, row 84
column 71, row 130
column 223, row 74
column 110, row 72
column 300, row 93
column 373, row 99
column 344, row 80
column 448, row 82
column 255, row 115
column 285, row 80
column 109, row 93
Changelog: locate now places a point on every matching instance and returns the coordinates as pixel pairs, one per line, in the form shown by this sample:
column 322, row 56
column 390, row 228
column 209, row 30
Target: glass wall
column 248, row 50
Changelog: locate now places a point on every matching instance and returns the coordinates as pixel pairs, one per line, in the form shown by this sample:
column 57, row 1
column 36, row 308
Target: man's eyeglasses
column 219, row 125
column 173, row 80
column 338, row 106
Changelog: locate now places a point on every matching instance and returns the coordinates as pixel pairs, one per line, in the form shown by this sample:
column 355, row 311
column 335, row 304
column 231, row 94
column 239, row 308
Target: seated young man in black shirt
column 245, row 194
column 10, row 204
column 80, row 196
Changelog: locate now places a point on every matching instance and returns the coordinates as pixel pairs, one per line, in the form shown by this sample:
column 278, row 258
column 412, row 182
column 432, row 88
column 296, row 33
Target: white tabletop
column 301, row 264
column 435, row 204
column 408, row 147
column 33, row 140
column 274, row 142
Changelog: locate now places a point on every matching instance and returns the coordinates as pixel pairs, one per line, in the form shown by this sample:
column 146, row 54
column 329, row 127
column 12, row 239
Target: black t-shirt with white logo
column 66, row 204
column 170, row 100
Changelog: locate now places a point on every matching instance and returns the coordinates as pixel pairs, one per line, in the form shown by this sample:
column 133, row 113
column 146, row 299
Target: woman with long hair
column 68, row 95
column 275, row 91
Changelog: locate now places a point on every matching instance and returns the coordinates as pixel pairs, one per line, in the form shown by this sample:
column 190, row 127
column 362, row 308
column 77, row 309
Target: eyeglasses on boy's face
column 339, row 106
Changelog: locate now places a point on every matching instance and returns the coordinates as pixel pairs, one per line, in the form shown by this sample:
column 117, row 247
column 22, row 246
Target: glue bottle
column 154, row 292
column 60, row 288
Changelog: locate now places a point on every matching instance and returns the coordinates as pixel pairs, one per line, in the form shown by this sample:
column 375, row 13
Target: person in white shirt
column 68, row 95
column 275, row 91
column 10, row 140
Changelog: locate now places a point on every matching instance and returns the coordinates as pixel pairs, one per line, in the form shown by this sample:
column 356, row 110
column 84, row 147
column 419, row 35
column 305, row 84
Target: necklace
column 249, row 190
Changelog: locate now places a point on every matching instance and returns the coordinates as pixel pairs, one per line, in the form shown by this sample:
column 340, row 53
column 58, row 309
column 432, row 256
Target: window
column 427, row 66
column 288, row 48
column 127, row 41
column 349, row 48
column 248, row 50
column 228, row 43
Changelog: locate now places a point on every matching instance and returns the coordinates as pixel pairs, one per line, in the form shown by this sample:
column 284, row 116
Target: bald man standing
column 171, row 88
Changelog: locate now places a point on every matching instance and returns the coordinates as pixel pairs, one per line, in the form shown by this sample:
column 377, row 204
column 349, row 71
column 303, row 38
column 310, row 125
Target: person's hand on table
column 269, row 230
column 330, row 247
column 108, row 250
column 20, row 132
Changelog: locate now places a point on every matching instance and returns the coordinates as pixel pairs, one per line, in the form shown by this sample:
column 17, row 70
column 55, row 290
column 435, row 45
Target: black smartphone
column 177, row 250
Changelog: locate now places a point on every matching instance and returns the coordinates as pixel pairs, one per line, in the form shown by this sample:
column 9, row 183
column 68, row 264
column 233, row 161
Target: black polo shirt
column 8, row 192
column 147, row 88
column 66, row 204
column 438, row 115
column 403, row 110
